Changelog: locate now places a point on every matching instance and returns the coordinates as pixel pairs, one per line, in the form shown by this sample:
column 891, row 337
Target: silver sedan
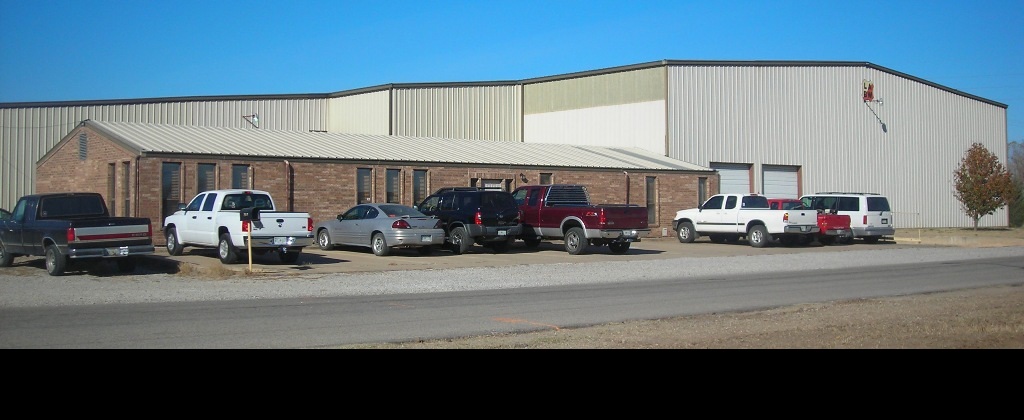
column 381, row 227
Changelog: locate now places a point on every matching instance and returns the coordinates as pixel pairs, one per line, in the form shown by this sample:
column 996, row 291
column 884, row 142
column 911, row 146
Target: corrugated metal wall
column 27, row 133
column 814, row 117
column 460, row 112
column 622, row 109
column 364, row 113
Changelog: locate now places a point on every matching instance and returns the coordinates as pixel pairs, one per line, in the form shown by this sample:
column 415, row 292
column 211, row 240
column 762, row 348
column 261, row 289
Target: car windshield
column 396, row 210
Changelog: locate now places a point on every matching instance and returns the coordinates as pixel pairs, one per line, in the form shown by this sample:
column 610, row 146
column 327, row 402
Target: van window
column 878, row 204
column 848, row 204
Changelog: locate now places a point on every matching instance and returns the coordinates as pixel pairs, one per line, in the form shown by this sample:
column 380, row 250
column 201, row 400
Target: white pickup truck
column 727, row 217
column 216, row 218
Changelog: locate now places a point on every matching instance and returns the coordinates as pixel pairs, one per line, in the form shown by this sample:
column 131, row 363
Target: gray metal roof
column 176, row 139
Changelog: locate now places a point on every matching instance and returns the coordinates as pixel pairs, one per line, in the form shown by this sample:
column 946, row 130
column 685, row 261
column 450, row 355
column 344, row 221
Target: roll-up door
column 734, row 178
column 780, row 181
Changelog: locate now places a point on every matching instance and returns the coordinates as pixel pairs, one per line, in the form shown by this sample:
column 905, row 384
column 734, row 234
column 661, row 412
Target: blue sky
column 120, row 49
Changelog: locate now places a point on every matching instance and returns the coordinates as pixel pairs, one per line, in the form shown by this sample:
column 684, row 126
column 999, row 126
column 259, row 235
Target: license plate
column 123, row 250
column 280, row 240
column 501, row 232
column 425, row 238
column 885, row 221
column 803, row 228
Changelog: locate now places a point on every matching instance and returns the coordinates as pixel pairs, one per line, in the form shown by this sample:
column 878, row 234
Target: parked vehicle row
column 76, row 227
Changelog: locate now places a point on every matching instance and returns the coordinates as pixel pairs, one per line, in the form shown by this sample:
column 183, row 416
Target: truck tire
column 56, row 262
column 685, row 233
column 618, row 247
column 226, row 251
column 758, row 236
column 575, row 241
column 174, row 247
column 5, row 257
column 127, row 264
column 323, row 240
column 459, row 240
column 379, row 245
column 291, row 256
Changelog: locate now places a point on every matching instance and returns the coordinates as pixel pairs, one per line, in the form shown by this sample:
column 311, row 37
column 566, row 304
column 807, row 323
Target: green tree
column 1016, row 167
column 982, row 183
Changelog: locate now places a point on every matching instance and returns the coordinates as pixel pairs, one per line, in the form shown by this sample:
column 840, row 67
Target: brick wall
column 327, row 188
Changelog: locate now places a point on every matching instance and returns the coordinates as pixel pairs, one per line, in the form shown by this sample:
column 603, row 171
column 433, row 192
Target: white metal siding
column 780, row 182
column 732, row 178
column 814, row 117
column 366, row 113
column 475, row 112
column 28, row 133
column 629, row 125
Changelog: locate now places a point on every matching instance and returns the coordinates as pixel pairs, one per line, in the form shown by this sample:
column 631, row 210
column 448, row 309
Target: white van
column 870, row 215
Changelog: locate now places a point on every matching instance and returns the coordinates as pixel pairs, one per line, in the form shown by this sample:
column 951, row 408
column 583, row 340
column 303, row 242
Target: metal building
column 781, row 128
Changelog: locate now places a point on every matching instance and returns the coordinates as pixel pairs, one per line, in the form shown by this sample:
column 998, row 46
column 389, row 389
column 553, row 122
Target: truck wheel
column 575, row 241
column 685, row 233
column 618, row 247
column 5, row 257
column 291, row 256
column 379, row 245
column 323, row 240
column 227, row 252
column 173, row 246
column 126, row 264
column 758, row 236
column 460, row 242
column 55, row 261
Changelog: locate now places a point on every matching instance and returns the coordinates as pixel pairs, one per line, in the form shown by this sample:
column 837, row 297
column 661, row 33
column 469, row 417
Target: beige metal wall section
column 626, row 87
column 625, row 109
column 365, row 113
column 469, row 112
column 28, row 133
column 906, row 147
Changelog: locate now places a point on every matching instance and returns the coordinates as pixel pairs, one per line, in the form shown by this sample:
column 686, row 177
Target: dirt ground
column 985, row 318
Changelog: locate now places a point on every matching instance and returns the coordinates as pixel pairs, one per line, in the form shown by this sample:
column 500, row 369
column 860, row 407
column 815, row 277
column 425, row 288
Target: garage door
column 734, row 178
column 780, row 181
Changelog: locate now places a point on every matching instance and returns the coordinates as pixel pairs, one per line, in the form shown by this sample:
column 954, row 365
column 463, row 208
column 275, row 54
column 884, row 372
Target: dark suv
column 487, row 216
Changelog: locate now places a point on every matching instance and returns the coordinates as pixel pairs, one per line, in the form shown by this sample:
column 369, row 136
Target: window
column 652, row 200
column 240, row 177
column 545, row 178
column 196, row 203
column 126, row 187
column 206, row 177
column 392, row 186
column 171, row 187
column 364, row 185
column 714, row 202
column 702, row 189
column 730, row 203
column 419, row 185
column 210, row 198
column 111, row 188
column 493, row 183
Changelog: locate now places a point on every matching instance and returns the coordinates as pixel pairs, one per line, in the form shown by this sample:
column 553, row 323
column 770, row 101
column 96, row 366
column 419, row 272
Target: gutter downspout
column 288, row 184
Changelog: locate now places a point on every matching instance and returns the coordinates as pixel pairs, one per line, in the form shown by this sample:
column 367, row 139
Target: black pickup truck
column 72, row 229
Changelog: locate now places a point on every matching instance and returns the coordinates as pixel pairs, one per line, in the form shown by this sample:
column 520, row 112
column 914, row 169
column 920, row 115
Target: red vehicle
column 833, row 227
column 564, row 212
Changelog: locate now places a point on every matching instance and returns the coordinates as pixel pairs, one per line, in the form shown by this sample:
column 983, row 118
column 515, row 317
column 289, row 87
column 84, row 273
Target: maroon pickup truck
column 564, row 211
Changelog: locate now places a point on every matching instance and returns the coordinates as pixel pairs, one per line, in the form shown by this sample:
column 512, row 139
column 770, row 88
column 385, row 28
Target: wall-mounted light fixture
column 522, row 177
column 253, row 119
